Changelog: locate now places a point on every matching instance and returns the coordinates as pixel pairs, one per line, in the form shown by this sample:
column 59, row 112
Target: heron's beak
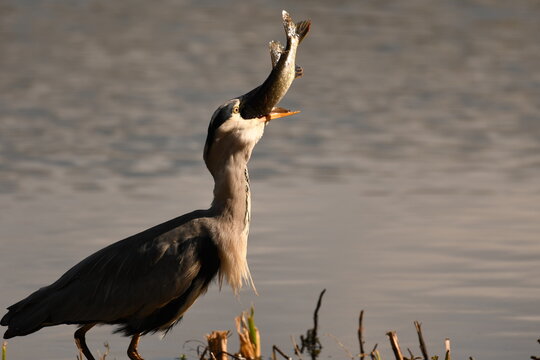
column 278, row 112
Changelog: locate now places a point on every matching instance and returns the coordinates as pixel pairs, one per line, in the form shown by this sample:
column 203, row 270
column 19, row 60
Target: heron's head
column 230, row 134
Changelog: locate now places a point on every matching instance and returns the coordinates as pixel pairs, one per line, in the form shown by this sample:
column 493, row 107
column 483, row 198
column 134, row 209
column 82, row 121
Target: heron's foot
column 132, row 352
column 80, row 341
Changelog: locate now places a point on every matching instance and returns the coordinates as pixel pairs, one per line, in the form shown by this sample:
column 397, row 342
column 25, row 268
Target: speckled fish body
column 261, row 100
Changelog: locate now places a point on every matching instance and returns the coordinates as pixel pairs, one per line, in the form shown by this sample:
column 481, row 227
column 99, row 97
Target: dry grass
column 310, row 344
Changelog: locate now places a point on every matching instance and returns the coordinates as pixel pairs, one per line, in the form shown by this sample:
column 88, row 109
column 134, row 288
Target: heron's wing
column 120, row 285
column 134, row 279
column 128, row 279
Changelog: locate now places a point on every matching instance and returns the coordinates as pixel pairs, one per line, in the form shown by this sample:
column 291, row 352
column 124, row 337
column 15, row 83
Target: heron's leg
column 80, row 340
column 132, row 349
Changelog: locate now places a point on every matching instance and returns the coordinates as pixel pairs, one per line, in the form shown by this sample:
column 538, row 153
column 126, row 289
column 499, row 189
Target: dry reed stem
column 360, row 334
column 341, row 345
column 203, row 353
column 278, row 350
column 395, row 345
column 247, row 348
column 217, row 344
column 374, row 354
column 412, row 357
column 423, row 348
column 296, row 348
column 311, row 340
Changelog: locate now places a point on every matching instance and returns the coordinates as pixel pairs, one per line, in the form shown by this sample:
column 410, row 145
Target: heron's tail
column 24, row 317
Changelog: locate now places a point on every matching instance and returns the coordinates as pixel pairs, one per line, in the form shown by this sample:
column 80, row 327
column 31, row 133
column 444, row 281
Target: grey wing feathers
column 121, row 283
column 127, row 280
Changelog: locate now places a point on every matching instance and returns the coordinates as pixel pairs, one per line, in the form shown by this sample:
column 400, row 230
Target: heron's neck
column 232, row 210
column 232, row 194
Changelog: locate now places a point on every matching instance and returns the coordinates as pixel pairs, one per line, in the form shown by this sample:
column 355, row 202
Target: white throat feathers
column 228, row 149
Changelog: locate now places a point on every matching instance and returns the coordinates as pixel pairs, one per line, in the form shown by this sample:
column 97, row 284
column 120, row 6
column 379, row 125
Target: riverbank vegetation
column 306, row 347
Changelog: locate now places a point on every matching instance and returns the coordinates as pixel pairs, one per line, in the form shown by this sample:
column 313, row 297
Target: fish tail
column 298, row 30
column 302, row 28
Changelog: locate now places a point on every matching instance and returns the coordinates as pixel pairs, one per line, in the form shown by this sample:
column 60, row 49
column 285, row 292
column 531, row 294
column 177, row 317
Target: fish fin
column 298, row 72
column 288, row 24
column 302, row 28
column 298, row 30
column 276, row 49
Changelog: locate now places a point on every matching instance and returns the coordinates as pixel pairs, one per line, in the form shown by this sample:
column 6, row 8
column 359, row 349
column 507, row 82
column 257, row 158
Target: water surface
column 408, row 186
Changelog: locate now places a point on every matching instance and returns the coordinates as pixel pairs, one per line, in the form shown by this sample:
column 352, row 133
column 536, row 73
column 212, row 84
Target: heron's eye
column 236, row 110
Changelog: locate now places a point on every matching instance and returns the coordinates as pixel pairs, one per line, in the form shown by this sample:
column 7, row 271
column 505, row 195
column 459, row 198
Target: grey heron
column 146, row 282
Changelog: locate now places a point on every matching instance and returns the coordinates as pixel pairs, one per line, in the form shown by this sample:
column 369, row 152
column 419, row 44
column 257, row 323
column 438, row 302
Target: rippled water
column 408, row 186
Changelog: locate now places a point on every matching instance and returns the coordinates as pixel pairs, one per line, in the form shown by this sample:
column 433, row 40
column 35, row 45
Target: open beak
column 278, row 112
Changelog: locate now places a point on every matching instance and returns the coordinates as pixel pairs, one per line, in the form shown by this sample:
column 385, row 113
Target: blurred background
column 408, row 186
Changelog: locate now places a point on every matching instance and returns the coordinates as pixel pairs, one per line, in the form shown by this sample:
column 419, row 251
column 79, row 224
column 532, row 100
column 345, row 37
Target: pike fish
column 262, row 100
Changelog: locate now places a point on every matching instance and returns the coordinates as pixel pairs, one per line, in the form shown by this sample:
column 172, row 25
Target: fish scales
column 261, row 100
